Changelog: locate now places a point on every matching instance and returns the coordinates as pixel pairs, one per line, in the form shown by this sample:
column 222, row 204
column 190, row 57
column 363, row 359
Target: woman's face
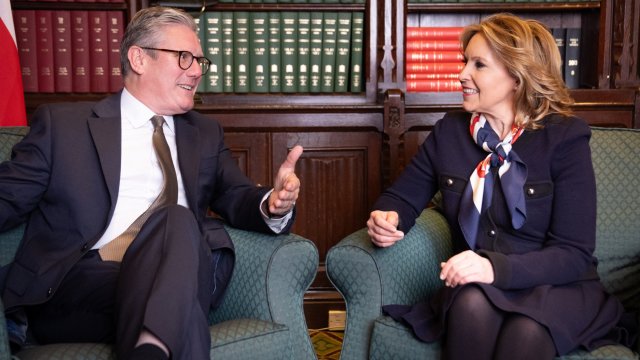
column 487, row 86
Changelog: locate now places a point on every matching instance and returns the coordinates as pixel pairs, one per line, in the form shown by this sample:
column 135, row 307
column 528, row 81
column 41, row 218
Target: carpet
column 327, row 343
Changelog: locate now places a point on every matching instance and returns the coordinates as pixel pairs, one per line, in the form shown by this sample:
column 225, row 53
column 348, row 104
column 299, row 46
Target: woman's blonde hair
column 530, row 54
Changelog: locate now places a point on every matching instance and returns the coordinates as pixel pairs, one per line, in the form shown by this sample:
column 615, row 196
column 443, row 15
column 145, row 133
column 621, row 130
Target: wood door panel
column 340, row 180
column 253, row 154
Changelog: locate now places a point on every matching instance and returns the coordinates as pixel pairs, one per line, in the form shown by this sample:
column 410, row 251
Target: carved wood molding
column 394, row 129
column 626, row 42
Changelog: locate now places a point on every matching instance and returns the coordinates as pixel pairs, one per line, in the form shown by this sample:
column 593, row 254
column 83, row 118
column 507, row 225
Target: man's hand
column 466, row 267
column 383, row 228
column 286, row 185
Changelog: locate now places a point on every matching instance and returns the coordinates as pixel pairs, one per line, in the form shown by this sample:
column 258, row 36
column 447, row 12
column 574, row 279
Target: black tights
column 478, row 330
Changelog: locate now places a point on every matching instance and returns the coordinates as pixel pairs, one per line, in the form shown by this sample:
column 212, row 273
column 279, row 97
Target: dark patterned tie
column 114, row 250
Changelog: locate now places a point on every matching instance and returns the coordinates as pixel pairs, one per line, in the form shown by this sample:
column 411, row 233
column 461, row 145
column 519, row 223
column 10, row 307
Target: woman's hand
column 383, row 229
column 466, row 267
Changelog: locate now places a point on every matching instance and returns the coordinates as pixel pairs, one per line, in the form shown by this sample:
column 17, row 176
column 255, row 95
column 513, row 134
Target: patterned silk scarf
column 479, row 191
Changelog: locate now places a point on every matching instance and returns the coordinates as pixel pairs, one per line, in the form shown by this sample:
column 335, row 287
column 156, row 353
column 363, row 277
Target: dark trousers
column 165, row 284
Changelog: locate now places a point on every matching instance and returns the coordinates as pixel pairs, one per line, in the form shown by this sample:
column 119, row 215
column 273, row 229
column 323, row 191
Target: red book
column 430, row 45
column 414, row 56
column 62, row 56
column 98, row 50
column 432, row 32
column 46, row 82
column 433, row 76
column 442, row 68
column 25, row 25
column 81, row 57
column 115, row 24
column 433, row 85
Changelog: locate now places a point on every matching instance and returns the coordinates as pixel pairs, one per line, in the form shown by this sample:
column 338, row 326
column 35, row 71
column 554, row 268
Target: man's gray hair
column 145, row 30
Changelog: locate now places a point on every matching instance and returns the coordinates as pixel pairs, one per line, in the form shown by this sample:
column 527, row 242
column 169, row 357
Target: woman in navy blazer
column 518, row 191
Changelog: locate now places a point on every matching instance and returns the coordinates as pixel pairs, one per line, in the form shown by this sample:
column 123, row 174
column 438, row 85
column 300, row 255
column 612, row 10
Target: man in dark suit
column 86, row 172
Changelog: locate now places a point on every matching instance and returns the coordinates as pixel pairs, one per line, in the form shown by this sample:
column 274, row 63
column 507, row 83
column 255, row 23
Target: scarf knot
column 478, row 193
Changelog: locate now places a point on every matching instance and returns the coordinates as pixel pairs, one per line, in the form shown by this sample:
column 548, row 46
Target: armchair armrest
column 269, row 280
column 369, row 277
column 5, row 352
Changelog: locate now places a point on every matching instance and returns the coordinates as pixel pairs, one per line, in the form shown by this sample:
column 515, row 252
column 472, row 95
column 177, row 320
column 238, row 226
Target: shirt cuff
column 276, row 223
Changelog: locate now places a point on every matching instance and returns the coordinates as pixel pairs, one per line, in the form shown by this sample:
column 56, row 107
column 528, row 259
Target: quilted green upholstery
column 370, row 277
column 262, row 315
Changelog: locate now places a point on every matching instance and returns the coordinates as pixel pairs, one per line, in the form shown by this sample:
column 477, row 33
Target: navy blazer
column 556, row 244
column 63, row 179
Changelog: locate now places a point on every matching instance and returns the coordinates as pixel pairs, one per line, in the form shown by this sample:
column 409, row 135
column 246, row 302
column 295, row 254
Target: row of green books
column 294, row 1
column 496, row 1
column 282, row 51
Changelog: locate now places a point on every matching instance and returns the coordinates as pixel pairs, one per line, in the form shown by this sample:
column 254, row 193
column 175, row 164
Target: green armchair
column 262, row 315
column 369, row 277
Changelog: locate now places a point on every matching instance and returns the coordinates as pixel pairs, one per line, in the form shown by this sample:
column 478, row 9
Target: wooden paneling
column 253, row 154
column 340, row 177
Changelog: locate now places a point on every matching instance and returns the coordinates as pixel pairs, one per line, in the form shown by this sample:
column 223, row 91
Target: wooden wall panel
column 253, row 154
column 340, row 176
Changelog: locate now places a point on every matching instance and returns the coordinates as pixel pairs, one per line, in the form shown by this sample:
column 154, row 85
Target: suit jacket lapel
column 105, row 129
column 188, row 144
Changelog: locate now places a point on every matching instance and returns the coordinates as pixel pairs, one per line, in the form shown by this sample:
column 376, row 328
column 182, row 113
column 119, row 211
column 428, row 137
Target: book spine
column 329, row 38
column 241, row 51
column 25, row 26
column 572, row 56
column 559, row 35
column 433, row 86
column 259, row 53
column 289, row 51
column 98, row 41
column 212, row 23
column 433, row 32
column 275, row 63
column 432, row 45
column 343, row 53
column 357, row 51
column 227, row 51
column 116, row 29
column 304, row 50
column 446, row 68
column 315, row 56
column 198, row 18
column 434, row 76
column 46, row 81
column 433, row 56
column 81, row 51
column 62, row 58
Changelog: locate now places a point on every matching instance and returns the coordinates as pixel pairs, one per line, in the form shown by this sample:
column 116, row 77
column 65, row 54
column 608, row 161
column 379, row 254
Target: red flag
column 12, row 109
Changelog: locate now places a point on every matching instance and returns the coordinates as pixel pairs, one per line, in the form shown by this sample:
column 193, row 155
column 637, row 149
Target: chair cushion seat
column 234, row 339
column 259, row 340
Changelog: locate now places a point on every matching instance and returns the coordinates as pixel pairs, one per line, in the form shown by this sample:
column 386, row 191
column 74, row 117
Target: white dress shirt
column 141, row 178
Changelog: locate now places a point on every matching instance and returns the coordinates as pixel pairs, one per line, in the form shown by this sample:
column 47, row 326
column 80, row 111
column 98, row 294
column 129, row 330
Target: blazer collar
column 105, row 128
column 188, row 145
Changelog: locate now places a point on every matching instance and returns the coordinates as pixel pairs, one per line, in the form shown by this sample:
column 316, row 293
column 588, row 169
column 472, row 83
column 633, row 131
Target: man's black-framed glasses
column 185, row 59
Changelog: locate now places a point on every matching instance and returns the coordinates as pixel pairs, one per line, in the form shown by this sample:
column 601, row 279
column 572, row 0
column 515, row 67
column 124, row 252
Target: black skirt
column 582, row 314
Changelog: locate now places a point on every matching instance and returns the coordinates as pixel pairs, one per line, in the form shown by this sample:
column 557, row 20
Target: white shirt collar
column 137, row 113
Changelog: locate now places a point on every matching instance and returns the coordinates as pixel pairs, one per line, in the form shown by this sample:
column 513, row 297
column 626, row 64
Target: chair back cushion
column 616, row 161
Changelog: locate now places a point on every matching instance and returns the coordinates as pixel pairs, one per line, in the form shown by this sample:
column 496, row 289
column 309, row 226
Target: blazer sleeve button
column 49, row 292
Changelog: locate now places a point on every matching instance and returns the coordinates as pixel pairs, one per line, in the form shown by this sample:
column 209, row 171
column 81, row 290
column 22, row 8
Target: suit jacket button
column 85, row 247
column 491, row 233
column 531, row 191
column 49, row 292
column 449, row 182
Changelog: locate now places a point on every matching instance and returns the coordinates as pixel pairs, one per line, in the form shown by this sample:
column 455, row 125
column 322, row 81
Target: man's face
column 168, row 89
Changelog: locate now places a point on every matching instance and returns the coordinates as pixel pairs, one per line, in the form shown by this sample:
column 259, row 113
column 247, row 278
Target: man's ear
column 137, row 59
